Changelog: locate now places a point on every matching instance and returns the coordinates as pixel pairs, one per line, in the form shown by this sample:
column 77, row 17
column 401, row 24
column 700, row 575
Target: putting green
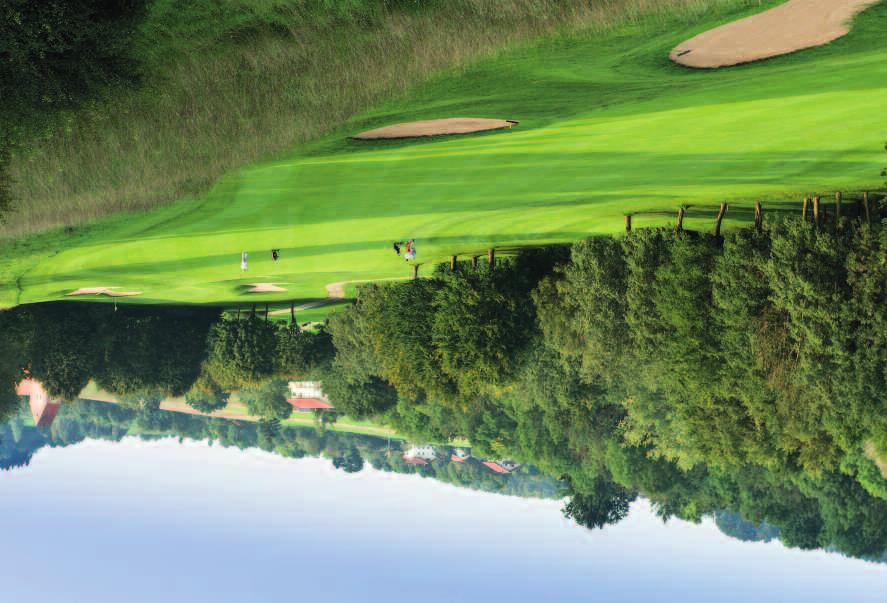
column 608, row 126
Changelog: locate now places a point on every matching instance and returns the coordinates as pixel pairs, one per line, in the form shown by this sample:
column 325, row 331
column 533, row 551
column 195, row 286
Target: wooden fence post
column 453, row 263
column 865, row 204
column 838, row 205
column 266, row 312
column 720, row 218
column 292, row 311
column 679, row 226
column 627, row 222
column 254, row 311
column 415, row 271
column 816, row 209
column 474, row 262
column 491, row 257
column 804, row 210
column 758, row 215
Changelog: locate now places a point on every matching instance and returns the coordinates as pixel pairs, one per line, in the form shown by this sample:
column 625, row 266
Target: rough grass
column 227, row 83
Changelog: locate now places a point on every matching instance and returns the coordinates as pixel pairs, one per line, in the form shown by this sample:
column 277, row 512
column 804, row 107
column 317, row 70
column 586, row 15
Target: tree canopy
column 742, row 373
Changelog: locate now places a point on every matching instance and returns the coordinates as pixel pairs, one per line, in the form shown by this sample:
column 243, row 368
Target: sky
column 162, row 520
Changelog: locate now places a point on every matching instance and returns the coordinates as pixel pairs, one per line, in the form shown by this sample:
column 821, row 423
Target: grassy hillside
column 608, row 126
column 228, row 82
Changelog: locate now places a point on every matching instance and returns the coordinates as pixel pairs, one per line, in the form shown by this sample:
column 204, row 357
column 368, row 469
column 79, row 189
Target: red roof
column 496, row 467
column 456, row 459
column 309, row 403
column 44, row 411
column 411, row 460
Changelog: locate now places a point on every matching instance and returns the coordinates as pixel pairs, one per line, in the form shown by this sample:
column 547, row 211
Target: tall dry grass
column 262, row 86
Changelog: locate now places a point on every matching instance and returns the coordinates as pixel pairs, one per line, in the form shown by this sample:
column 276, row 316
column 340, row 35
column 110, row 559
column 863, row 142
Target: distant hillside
column 198, row 88
column 351, row 452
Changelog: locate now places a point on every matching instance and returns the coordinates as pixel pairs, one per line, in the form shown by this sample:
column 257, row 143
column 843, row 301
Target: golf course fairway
column 608, row 126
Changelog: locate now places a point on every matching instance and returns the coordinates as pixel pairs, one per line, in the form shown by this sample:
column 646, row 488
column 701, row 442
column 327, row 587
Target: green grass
column 229, row 82
column 608, row 126
column 236, row 408
column 343, row 424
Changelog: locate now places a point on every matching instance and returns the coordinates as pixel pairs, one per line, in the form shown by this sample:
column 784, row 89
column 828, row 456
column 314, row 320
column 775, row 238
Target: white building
column 307, row 389
column 460, row 454
column 426, row 453
column 509, row 465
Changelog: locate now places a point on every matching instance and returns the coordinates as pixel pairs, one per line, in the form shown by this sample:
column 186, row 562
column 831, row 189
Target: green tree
column 268, row 401
column 268, row 433
column 605, row 504
column 853, row 521
column 13, row 358
column 351, row 331
column 359, row 399
column 482, row 322
column 809, row 287
column 159, row 349
column 645, row 251
column 241, row 352
column 299, row 352
column 859, row 385
column 350, row 462
column 64, row 351
column 206, row 395
column 395, row 323
column 596, row 284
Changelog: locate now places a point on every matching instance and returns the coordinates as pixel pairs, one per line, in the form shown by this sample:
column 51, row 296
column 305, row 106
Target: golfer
column 243, row 261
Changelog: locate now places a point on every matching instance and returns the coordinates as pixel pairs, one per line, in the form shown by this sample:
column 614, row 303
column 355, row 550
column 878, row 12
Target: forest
column 742, row 373
column 144, row 354
column 346, row 451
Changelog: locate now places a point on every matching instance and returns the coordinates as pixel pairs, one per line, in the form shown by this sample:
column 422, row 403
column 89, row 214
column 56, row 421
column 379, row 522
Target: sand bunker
column 109, row 291
column 436, row 127
column 792, row 26
column 265, row 288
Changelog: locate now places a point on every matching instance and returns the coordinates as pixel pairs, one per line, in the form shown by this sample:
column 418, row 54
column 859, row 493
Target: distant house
column 43, row 409
column 307, row 389
column 502, row 466
column 414, row 461
column 509, row 465
column 307, row 396
column 309, row 404
column 420, row 455
column 460, row 455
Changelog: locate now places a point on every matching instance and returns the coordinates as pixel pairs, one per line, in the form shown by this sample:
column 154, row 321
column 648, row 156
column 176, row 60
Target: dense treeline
column 346, row 451
column 743, row 373
column 145, row 354
column 706, row 373
column 127, row 351
column 349, row 452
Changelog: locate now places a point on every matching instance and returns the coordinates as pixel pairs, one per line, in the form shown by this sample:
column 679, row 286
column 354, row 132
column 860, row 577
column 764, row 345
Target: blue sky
column 147, row 521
